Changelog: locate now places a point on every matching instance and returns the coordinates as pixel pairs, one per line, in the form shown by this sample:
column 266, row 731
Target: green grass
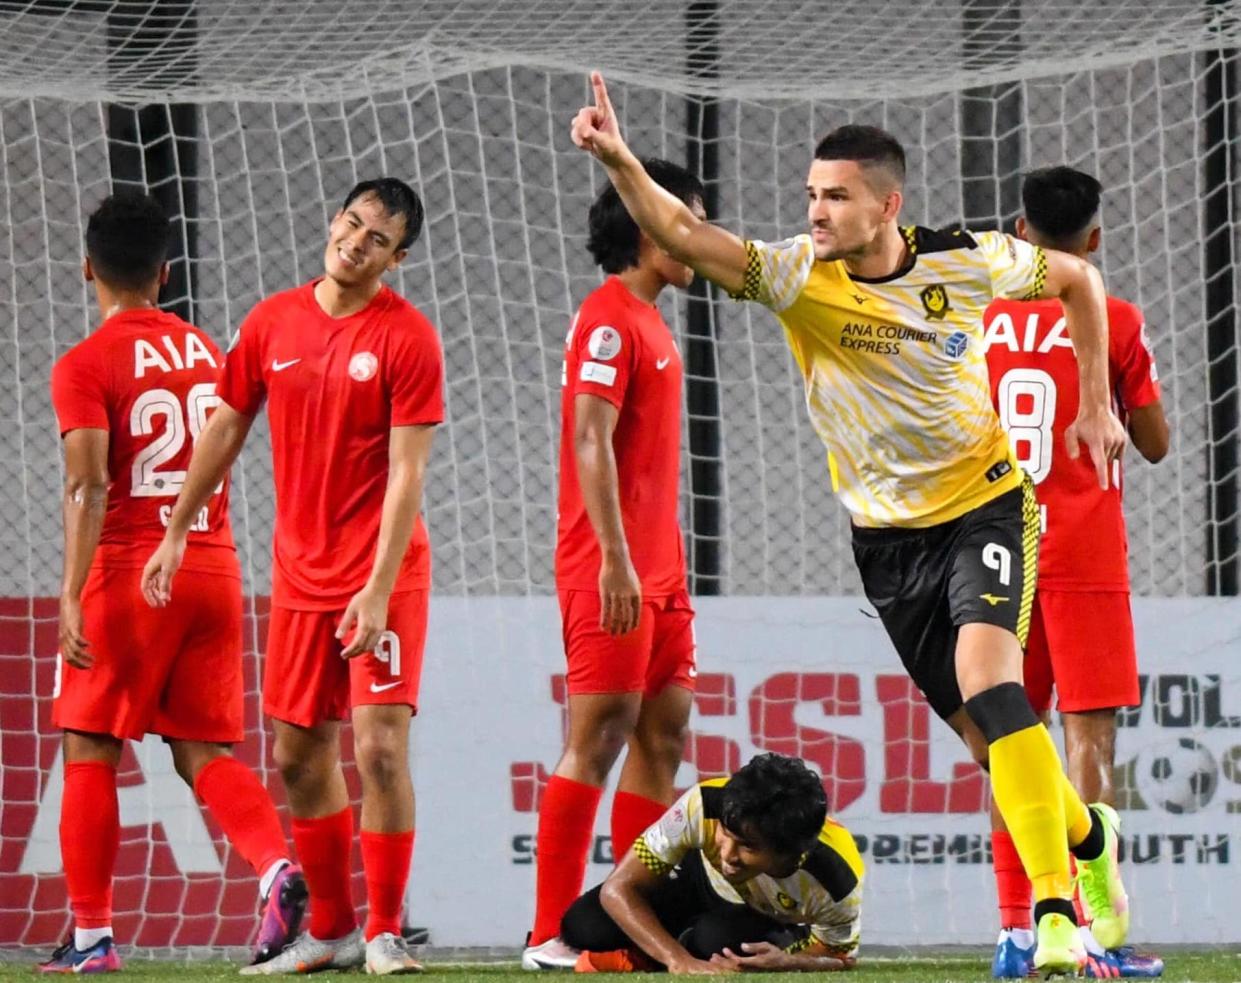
column 1185, row 965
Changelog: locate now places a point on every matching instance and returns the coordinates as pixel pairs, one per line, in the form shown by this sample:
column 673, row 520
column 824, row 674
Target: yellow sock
column 1030, row 788
column 1076, row 815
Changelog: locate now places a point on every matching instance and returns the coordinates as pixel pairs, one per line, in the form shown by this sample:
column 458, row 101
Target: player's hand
column 620, row 595
column 595, row 128
column 367, row 617
column 689, row 966
column 1104, row 437
column 74, row 648
column 755, row 957
column 160, row 569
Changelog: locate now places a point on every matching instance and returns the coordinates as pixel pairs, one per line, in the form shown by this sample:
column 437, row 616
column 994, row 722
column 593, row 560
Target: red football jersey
column 1034, row 386
column 149, row 379
column 620, row 349
column 335, row 387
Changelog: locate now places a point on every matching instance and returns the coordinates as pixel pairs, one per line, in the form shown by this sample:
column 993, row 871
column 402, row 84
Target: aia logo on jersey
column 935, row 301
column 363, row 366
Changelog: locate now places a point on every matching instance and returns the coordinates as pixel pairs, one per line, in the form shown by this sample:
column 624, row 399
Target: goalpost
column 251, row 120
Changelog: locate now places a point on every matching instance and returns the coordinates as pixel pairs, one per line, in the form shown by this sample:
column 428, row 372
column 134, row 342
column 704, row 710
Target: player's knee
column 597, row 749
column 191, row 757
column 302, row 766
column 664, row 745
column 382, row 759
column 999, row 711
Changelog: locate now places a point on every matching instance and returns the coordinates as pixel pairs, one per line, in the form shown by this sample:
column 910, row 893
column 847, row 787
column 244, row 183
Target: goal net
column 252, row 120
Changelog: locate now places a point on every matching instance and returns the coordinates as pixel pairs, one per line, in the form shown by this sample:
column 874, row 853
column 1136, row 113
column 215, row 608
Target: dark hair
column 777, row 800
column 397, row 198
column 127, row 240
column 1060, row 203
column 613, row 235
column 868, row 145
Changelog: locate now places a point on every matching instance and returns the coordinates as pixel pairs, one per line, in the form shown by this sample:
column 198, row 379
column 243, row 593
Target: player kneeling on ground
column 744, row 873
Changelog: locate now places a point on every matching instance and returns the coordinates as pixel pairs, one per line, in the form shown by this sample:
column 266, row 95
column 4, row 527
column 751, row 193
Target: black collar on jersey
column 919, row 240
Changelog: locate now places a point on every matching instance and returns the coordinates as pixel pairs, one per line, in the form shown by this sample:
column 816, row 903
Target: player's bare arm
column 85, row 503
column 1080, row 289
column 624, row 897
column 764, row 957
column 711, row 251
column 620, row 591
column 215, row 451
column 408, row 451
column 1148, row 429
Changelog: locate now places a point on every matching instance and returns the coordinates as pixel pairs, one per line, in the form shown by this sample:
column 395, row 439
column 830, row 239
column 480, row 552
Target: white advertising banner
column 817, row 677
column 814, row 677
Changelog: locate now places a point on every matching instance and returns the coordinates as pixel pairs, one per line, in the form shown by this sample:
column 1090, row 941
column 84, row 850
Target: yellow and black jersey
column 894, row 368
column 824, row 892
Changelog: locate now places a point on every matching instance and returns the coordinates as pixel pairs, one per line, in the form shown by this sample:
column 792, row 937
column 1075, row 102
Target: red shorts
column 305, row 680
column 656, row 654
column 173, row 671
column 1082, row 645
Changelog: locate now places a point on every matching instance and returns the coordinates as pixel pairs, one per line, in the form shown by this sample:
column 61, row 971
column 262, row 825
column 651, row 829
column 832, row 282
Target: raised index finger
column 1098, row 453
column 602, row 102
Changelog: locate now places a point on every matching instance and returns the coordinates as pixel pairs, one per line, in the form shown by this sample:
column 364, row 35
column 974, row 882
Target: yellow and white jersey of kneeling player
column 894, row 369
column 823, row 893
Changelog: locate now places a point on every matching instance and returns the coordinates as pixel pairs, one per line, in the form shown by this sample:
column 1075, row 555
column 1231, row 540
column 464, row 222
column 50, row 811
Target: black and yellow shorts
column 979, row 568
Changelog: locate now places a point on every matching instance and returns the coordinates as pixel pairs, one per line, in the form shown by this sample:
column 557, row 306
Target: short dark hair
column 397, row 198
column 868, row 145
column 127, row 240
column 776, row 799
column 1060, row 203
column 613, row 235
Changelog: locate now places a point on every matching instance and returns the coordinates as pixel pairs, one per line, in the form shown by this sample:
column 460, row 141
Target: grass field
column 1201, row 967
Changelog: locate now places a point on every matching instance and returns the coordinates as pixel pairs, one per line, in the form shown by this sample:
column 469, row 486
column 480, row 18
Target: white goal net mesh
column 261, row 115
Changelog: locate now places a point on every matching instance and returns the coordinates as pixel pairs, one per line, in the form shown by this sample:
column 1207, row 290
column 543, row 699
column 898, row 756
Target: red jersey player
column 130, row 400
column 620, row 561
column 352, row 376
column 1081, row 630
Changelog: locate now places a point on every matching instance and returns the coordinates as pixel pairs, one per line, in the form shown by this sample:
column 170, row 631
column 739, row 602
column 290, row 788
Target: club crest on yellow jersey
column 935, row 301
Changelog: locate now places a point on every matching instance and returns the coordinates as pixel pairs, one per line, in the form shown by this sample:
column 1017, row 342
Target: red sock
column 242, row 807
column 324, row 846
column 1011, row 883
column 631, row 815
column 385, row 860
column 90, row 835
column 566, row 825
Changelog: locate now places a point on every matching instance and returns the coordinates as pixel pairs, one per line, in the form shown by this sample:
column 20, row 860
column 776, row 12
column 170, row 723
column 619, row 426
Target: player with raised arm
column 885, row 323
column 130, row 400
column 1081, row 628
column 620, row 559
column 352, row 376
column 742, row 873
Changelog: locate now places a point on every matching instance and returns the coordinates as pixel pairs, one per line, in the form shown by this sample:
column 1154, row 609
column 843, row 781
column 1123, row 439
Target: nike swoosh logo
column 278, row 366
column 375, row 688
column 663, row 362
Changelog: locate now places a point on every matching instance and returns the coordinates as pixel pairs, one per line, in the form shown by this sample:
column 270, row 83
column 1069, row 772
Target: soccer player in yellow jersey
column 885, row 323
